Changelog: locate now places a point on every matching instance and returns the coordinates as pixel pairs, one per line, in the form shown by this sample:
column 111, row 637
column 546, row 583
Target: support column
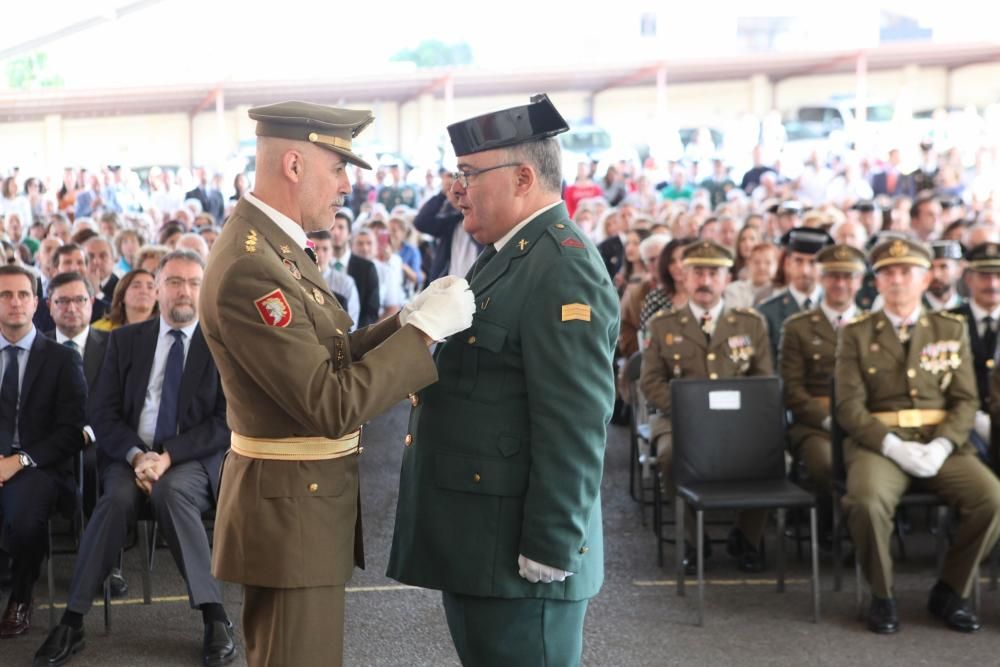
column 761, row 95
column 52, row 158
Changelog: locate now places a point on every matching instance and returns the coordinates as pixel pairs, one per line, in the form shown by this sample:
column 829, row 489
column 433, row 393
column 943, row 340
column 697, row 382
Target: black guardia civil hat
column 805, row 240
column 507, row 127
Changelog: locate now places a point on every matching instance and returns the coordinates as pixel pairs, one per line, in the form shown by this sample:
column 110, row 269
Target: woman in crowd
column 400, row 233
column 759, row 284
column 669, row 293
column 12, row 202
column 148, row 257
column 746, row 239
column 240, row 186
column 127, row 243
column 134, row 301
column 633, row 270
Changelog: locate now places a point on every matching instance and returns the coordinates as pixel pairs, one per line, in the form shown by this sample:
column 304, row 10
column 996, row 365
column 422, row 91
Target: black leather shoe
column 16, row 619
column 62, row 642
column 220, row 646
column 748, row 556
column 952, row 609
column 883, row 619
column 119, row 587
column 691, row 556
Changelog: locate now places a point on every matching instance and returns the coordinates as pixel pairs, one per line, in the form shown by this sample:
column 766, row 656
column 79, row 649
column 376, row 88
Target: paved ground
column 635, row 621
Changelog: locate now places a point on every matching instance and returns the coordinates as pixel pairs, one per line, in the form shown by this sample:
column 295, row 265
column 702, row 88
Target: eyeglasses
column 464, row 176
column 64, row 301
column 177, row 283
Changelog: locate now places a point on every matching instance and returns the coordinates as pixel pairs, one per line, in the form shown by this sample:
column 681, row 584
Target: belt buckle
column 910, row 418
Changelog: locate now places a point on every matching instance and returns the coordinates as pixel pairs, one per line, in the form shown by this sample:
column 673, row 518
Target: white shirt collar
column 285, row 224
column 519, row 226
column 897, row 321
column 343, row 260
column 979, row 313
column 800, row 297
column 832, row 315
column 713, row 313
column 951, row 302
column 25, row 343
column 188, row 330
column 80, row 339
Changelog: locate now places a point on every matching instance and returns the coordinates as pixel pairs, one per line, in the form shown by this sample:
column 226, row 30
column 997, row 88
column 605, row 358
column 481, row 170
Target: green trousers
column 527, row 632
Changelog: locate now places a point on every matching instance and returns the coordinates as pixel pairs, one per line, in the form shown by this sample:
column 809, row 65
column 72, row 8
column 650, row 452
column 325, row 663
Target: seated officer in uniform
column 808, row 352
column 906, row 397
column 798, row 266
column 982, row 317
column 705, row 340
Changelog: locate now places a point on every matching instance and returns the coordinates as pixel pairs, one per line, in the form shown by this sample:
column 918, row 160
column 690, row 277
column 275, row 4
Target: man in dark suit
column 67, row 258
column 210, row 198
column 362, row 270
column 42, row 399
column 891, row 181
column 612, row 250
column 160, row 419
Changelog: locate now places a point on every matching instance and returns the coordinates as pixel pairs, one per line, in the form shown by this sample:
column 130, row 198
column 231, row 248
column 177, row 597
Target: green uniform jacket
column 678, row 349
column 875, row 374
column 505, row 453
column 776, row 310
column 290, row 524
column 808, row 353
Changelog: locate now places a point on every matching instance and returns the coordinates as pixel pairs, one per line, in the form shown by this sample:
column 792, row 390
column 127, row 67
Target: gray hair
column 545, row 157
column 182, row 255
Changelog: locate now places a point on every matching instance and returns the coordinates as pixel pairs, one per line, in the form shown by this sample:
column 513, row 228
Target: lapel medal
column 292, row 268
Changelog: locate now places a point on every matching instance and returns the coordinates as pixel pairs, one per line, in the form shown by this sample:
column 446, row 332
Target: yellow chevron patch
column 576, row 311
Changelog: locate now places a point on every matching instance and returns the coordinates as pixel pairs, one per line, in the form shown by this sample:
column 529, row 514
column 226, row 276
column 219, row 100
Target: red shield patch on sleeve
column 274, row 309
column 573, row 242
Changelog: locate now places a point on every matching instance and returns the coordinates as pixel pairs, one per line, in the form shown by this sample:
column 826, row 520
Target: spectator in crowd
column 109, row 224
column 100, row 265
column 134, row 300
column 41, row 425
column 668, row 295
column 170, row 234
column 66, row 196
column 635, row 294
column 373, row 244
column 208, row 195
column 612, row 248
column 752, row 178
column 59, row 228
column 360, row 269
column 582, row 188
column 925, row 218
column 209, row 233
column 340, row 283
column 195, row 243
column 759, row 285
column 400, row 233
column 148, row 257
column 160, row 420
column 12, row 202
column 454, row 250
column 633, row 269
column 127, row 243
column 678, row 187
column 891, row 181
column 613, row 186
column 719, row 183
column 746, row 239
column 240, row 187
column 95, row 199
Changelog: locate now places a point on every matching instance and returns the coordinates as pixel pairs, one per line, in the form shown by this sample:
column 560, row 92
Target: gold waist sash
column 295, row 449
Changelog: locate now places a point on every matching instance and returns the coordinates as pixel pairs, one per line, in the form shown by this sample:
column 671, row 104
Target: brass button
column 476, row 478
column 408, row 439
column 711, row 356
column 339, row 332
column 560, row 226
column 713, row 376
column 472, row 340
column 677, row 357
column 913, row 393
column 314, row 487
column 990, row 363
column 584, row 550
column 816, row 357
column 911, row 373
column 871, row 370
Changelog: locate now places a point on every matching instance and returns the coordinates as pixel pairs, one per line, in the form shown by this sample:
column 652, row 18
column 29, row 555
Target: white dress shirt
column 80, row 339
column 519, row 226
column 24, row 349
column 286, row 224
column 833, row 315
column 979, row 313
column 800, row 297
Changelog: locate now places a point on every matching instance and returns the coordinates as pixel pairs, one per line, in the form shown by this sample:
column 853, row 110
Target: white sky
column 177, row 41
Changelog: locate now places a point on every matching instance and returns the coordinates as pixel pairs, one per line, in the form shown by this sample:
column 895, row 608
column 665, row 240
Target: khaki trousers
column 293, row 627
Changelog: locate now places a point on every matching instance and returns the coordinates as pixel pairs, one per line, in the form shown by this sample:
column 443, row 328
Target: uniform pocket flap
column 302, row 479
column 471, row 474
column 509, row 445
column 489, row 336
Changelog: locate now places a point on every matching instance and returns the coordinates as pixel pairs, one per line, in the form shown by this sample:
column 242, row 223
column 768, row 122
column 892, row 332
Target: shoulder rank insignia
column 953, row 316
column 318, row 296
column 522, row 244
column 274, row 309
column 572, row 242
column 294, row 270
column 575, row 311
column 860, row 318
column 285, row 250
column 250, row 244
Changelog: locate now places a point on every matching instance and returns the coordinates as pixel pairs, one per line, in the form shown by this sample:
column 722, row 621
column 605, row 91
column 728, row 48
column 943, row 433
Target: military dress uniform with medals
column 917, row 384
column 299, row 387
column 808, row 353
column 680, row 348
column 504, row 455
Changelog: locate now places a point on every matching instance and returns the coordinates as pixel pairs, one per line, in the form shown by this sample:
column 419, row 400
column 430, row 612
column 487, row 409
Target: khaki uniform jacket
column 678, row 349
column 808, row 354
column 288, row 524
column 874, row 373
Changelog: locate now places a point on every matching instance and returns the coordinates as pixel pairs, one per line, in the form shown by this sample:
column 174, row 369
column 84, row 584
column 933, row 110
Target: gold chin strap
column 331, row 140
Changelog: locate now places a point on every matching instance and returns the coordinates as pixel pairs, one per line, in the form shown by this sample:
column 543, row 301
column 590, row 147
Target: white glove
column 826, row 424
column 444, row 311
column 982, row 425
column 936, row 452
column 441, row 284
column 907, row 455
column 536, row 572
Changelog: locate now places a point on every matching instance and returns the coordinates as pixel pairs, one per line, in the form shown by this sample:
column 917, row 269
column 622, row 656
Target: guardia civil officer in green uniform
column 705, row 339
column 906, row 396
column 808, row 353
column 299, row 387
column 798, row 265
column 499, row 498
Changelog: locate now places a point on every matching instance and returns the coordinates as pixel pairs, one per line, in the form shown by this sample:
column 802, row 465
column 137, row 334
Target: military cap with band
column 328, row 127
column 805, row 240
column 507, row 127
column 789, row 207
column 865, row 206
column 899, row 251
column 946, row 249
column 706, row 253
column 984, row 257
column 841, row 258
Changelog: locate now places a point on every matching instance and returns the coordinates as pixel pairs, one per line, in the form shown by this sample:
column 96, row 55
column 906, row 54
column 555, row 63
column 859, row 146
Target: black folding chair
column 729, row 453
column 640, row 443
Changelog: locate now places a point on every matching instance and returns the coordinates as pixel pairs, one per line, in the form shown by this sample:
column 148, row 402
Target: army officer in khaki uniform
column 299, row 387
column 806, row 360
column 705, row 340
column 906, row 396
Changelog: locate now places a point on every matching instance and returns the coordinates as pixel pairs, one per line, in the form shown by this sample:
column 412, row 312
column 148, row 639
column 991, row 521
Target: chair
column 729, row 453
column 75, row 515
column 641, row 458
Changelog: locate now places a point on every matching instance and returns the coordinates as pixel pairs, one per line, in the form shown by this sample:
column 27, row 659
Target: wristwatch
column 24, row 459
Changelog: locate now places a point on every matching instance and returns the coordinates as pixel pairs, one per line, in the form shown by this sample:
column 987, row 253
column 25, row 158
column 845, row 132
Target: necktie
column 311, row 254
column 807, row 304
column 8, row 400
column 890, row 182
column 706, row 325
column 338, row 266
column 72, row 345
column 989, row 335
column 838, row 322
column 483, row 260
column 166, row 418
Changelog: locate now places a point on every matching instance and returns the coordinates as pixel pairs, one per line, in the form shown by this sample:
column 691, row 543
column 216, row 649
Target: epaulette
column 799, row 315
column 951, row 316
column 661, row 314
column 860, row 318
column 250, row 244
column 564, row 237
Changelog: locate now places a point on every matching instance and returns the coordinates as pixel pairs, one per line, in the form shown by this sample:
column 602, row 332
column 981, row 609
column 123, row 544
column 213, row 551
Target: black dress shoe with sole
column 947, row 605
column 883, row 619
column 61, row 644
column 220, row 645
